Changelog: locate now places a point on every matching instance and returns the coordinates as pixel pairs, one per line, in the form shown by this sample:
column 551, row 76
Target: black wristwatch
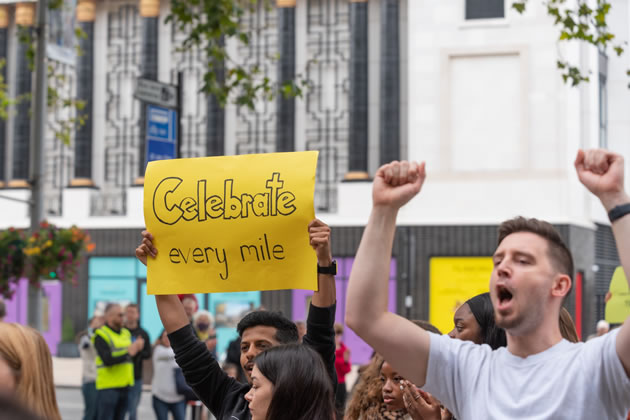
column 618, row 212
column 332, row 269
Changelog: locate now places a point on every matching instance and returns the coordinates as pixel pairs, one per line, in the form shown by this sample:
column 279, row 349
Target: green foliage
column 12, row 241
column 582, row 23
column 209, row 24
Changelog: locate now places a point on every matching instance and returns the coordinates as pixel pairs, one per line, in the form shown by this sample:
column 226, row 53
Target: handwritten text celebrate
column 170, row 207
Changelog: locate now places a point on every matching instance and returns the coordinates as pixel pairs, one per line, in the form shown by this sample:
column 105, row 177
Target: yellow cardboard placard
column 231, row 224
column 452, row 281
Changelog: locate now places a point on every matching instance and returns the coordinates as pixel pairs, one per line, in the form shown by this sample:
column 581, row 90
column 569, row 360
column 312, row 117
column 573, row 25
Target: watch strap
column 331, row 269
column 618, row 212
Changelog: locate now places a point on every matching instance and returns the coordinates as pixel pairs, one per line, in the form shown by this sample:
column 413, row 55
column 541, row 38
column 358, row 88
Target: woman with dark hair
column 290, row 382
column 382, row 394
column 474, row 321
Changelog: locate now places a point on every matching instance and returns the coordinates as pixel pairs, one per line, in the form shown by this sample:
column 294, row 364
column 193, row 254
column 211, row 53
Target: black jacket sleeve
column 320, row 336
column 220, row 393
column 105, row 353
column 145, row 353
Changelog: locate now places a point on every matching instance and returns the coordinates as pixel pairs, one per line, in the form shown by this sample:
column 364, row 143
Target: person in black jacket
column 132, row 318
column 224, row 396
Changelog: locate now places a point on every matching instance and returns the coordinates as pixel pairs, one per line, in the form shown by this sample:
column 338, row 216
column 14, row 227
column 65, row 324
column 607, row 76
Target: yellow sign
column 452, row 281
column 618, row 306
column 229, row 224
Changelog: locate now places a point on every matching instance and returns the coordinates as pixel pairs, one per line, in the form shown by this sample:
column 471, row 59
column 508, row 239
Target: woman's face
column 392, row 394
column 259, row 396
column 466, row 326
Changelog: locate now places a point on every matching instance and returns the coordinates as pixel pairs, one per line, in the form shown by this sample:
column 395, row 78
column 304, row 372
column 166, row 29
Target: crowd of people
column 512, row 353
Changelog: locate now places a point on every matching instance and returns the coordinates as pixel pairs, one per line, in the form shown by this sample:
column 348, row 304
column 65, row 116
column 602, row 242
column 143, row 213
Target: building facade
column 469, row 86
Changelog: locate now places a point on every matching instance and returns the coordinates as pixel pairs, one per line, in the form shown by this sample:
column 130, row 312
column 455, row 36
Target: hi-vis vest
column 119, row 375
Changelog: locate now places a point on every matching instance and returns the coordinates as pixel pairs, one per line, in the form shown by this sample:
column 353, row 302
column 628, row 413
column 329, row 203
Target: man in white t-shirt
column 539, row 375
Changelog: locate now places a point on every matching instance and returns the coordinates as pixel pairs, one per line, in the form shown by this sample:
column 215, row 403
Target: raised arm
column 320, row 331
column 319, row 235
column 170, row 307
column 602, row 173
column 398, row 340
column 201, row 370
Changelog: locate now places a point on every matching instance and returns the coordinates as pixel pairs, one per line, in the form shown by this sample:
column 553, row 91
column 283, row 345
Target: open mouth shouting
column 504, row 297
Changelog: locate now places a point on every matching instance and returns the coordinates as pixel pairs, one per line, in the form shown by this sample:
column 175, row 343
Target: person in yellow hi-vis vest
column 114, row 368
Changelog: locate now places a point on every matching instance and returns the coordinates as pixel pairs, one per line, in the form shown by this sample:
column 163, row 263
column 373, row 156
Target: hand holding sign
column 231, row 224
column 319, row 234
column 146, row 248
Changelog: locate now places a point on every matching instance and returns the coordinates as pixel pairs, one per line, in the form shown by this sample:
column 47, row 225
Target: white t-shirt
column 567, row 381
column 163, row 384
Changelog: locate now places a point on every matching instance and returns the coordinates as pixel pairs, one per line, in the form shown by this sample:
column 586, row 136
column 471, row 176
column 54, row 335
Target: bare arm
column 319, row 235
column 170, row 307
column 400, row 342
column 602, row 172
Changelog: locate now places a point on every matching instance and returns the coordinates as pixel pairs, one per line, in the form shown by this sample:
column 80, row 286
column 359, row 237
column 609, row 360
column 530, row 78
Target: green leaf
column 519, row 7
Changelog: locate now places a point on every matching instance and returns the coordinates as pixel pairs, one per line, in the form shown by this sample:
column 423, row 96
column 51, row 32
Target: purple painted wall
column 360, row 350
column 51, row 324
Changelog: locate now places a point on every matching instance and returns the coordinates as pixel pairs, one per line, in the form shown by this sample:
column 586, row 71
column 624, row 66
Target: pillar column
column 150, row 14
column 86, row 14
column 390, row 82
column 215, row 128
column 25, row 17
column 285, row 129
column 358, row 100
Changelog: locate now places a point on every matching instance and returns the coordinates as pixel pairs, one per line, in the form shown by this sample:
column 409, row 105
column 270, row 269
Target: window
column 485, row 9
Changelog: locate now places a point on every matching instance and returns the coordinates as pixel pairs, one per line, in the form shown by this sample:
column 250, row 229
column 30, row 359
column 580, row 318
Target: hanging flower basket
column 48, row 253
column 12, row 242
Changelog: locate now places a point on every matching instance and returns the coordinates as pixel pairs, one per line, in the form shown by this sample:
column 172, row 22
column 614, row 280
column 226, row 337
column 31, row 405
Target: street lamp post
column 37, row 154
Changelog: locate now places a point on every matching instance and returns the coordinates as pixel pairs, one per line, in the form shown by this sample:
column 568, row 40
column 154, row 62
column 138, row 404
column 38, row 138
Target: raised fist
column 602, row 173
column 397, row 182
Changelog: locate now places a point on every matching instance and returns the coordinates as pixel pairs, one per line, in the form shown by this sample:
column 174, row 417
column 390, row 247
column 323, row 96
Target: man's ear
column 561, row 285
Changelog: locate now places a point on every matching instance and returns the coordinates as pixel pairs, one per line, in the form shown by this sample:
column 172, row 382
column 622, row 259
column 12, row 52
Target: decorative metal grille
column 256, row 130
column 327, row 119
column 22, row 120
column 59, row 165
column 193, row 64
column 149, row 67
column 85, row 92
column 122, row 137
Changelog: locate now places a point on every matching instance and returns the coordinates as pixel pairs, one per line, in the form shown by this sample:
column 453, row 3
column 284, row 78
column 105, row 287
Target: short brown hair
column 558, row 251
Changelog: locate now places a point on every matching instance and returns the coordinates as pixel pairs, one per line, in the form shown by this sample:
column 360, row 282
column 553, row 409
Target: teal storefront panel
column 228, row 309
column 103, row 290
column 113, row 267
column 149, row 316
